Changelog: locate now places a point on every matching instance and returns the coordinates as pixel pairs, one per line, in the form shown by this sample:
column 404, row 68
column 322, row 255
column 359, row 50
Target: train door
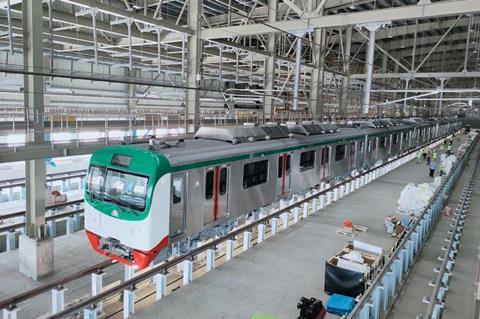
column 284, row 174
column 369, row 157
column 361, row 154
column 352, row 156
column 324, row 163
column 177, row 211
column 216, row 193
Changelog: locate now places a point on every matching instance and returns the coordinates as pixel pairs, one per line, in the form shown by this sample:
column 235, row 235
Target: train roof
column 199, row 152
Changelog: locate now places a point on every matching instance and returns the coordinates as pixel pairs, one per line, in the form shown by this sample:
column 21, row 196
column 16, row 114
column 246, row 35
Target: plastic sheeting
column 413, row 199
column 446, row 164
column 343, row 281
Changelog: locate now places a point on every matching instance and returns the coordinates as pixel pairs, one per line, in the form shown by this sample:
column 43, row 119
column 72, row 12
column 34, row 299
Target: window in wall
column 360, row 147
column 340, row 152
column 307, row 161
column 255, row 173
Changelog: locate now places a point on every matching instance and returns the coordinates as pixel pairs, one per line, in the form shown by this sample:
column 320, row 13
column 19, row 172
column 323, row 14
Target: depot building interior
column 247, row 159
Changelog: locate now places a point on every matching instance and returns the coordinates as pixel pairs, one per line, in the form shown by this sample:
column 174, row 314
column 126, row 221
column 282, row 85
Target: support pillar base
column 36, row 257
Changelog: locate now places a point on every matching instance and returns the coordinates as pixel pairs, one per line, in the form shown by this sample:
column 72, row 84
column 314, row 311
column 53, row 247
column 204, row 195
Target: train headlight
column 114, row 213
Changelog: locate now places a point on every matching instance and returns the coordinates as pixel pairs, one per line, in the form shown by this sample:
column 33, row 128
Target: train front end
column 127, row 196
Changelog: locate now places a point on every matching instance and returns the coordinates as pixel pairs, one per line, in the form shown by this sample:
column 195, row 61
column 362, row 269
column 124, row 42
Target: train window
column 95, row 182
column 288, row 164
column 209, row 184
column 339, row 152
column 255, row 173
column 280, row 166
column 121, row 160
column 125, row 189
column 177, row 190
column 324, row 155
column 307, row 160
column 383, row 142
column 223, row 181
column 395, row 139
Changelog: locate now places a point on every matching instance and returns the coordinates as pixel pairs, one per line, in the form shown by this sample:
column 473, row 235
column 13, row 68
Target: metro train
column 146, row 203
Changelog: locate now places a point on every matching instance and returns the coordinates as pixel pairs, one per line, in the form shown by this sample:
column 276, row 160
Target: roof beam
column 437, row 9
column 423, row 41
column 425, row 50
column 129, row 14
column 294, row 7
column 413, row 75
column 400, row 31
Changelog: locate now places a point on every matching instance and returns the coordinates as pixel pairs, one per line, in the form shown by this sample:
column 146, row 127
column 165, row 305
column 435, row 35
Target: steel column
column 317, row 77
column 34, row 107
column 346, row 70
column 194, row 55
column 369, row 68
column 270, row 62
column 296, row 81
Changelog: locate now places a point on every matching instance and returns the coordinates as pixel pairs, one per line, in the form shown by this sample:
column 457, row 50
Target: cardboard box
column 349, row 277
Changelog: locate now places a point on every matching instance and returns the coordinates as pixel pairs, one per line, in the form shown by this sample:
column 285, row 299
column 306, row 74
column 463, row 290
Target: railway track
column 224, row 248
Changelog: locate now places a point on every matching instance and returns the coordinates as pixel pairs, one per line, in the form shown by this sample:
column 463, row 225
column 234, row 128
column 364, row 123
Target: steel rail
column 12, row 227
column 379, row 276
column 162, row 268
column 443, row 267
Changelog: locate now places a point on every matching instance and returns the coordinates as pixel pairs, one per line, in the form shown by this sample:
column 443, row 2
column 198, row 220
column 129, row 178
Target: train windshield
column 95, row 181
column 121, row 188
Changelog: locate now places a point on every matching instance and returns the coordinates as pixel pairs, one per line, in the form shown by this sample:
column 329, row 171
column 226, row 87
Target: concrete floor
column 460, row 298
column 274, row 275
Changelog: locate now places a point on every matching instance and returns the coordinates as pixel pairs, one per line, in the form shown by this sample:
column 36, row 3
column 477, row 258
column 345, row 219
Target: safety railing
column 20, row 182
column 112, row 126
column 384, row 288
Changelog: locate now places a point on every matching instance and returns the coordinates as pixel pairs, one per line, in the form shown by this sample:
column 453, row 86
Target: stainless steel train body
column 293, row 165
column 173, row 195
